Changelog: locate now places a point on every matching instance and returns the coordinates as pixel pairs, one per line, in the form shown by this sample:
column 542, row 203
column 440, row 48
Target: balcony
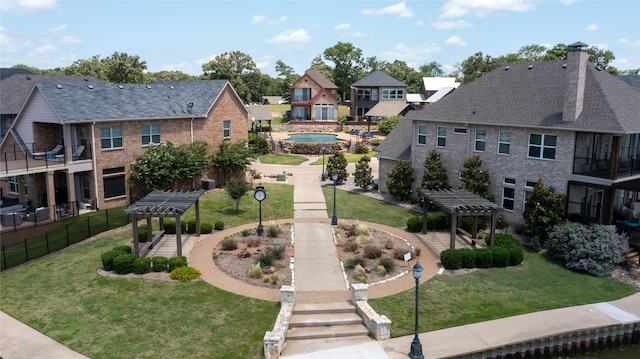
column 14, row 161
column 603, row 168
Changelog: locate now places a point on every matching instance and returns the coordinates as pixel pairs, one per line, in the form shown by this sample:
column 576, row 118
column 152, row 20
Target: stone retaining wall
column 379, row 326
column 274, row 340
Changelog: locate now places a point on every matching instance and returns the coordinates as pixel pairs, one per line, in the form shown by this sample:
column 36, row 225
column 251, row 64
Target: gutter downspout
column 95, row 168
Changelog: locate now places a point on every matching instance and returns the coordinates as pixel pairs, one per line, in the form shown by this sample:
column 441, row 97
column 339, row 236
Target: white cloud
column 413, row 55
column 259, row 19
column 592, row 27
column 630, row 43
column 57, row 28
column 455, row 41
column 45, row 49
column 419, row 23
column 70, row 39
column 446, row 25
column 354, row 34
column 458, row 8
column 342, row 26
column 400, row 9
column 262, row 65
column 174, row 67
column 27, row 4
column 291, row 36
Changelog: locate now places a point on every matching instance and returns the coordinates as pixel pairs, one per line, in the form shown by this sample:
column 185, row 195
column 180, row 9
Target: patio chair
column 78, row 152
column 50, row 155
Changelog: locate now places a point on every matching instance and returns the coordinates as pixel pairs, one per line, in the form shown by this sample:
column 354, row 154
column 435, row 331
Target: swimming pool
column 312, row 138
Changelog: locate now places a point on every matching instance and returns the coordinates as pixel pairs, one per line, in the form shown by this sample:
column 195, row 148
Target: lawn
column 62, row 295
column 274, row 159
column 350, row 157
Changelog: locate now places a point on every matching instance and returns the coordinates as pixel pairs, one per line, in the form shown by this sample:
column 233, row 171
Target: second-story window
column 481, row 139
column 422, row 134
column 542, row 146
column 442, row 136
column 111, row 137
column 301, row 94
column 504, row 142
column 150, row 134
column 226, row 129
column 392, row 94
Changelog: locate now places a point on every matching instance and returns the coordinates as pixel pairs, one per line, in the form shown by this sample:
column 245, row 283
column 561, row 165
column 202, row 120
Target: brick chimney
column 576, row 74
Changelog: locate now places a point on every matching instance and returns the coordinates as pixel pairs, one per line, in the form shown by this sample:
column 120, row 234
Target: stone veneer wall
column 274, row 340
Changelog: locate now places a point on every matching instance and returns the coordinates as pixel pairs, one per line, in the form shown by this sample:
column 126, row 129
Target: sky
column 173, row 35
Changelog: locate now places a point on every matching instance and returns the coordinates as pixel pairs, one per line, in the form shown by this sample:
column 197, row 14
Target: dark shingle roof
column 320, row 79
column 8, row 72
column 532, row 95
column 78, row 102
column 378, row 78
column 633, row 81
column 14, row 90
column 397, row 144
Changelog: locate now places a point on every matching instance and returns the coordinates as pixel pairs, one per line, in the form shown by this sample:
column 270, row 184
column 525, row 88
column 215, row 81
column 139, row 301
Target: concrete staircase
column 313, row 321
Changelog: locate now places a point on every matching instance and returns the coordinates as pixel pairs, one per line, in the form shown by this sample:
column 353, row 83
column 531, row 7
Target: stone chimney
column 576, row 74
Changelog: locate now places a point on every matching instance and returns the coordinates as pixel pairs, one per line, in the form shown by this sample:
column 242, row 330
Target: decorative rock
column 389, row 244
column 244, row 254
column 269, row 270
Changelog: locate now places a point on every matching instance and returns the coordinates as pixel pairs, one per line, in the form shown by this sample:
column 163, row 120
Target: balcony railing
column 601, row 167
column 14, row 158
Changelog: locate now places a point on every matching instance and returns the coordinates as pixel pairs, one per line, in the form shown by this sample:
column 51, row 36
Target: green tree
column 542, row 211
column 475, row 66
column 230, row 158
column 474, row 179
column 348, row 63
column 233, row 66
column 123, row 68
column 400, row 180
column 432, row 69
column 87, row 67
column 318, row 64
column 236, row 189
column 435, row 175
column 387, row 124
column 337, row 163
column 363, row 176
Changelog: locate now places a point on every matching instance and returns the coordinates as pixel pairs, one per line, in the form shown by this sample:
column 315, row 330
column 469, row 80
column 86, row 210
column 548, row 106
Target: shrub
column 382, row 271
column 255, row 271
column 253, row 242
column 484, row 258
column 123, row 264
column 595, row 249
column 542, row 211
column 185, row 274
column 142, row 265
column 360, row 274
column 142, row 233
column 372, row 252
column 500, row 256
column 228, row 244
column 467, row 257
column 504, row 239
column 274, row 230
column 388, row 264
column 467, row 224
column 176, row 262
column 191, row 226
column 270, row 255
column 398, row 253
column 218, row 226
column 361, row 150
column 245, row 233
column 358, row 229
column 206, row 227
column 159, row 264
column 451, row 259
column 516, row 254
column 354, row 261
column 169, row 226
column 438, row 221
column 125, row 248
column 414, row 224
column 276, row 252
column 350, row 246
column 108, row 257
column 275, row 278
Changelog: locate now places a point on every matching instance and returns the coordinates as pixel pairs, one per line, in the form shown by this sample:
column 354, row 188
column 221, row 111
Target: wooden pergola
column 460, row 203
column 163, row 204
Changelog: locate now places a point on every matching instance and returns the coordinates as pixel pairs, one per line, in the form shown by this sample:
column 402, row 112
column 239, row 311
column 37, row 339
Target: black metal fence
column 61, row 236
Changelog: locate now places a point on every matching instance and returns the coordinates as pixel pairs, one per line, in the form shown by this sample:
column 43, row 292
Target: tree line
column 342, row 63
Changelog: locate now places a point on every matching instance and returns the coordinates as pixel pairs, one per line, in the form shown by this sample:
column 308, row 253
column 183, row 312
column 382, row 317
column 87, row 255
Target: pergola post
column 178, row 234
column 494, row 221
column 424, row 215
column 197, row 218
column 474, row 231
column 134, row 225
column 454, row 221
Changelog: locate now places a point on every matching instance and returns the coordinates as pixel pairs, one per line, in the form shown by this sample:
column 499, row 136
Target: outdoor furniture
column 11, row 219
column 39, row 215
column 78, row 152
column 50, row 155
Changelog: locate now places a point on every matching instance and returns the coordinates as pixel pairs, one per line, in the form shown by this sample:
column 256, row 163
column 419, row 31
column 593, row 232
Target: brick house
column 566, row 122
column 376, row 96
column 314, row 99
column 102, row 128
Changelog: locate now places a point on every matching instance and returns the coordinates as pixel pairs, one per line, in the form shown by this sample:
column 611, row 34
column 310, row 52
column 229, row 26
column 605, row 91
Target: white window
column 301, row 94
column 504, row 142
column 481, row 137
column 150, row 134
column 323, row 112
column 392, row 94
column 508, row 193
column 226, row 128
column 422, row 134
column 441, row 137
column 542, row 146
column 111, row 137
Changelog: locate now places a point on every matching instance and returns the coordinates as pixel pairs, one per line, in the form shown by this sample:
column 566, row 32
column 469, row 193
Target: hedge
column 142, row 265
column 159, row 264
column 123, row 264
column 451, row 259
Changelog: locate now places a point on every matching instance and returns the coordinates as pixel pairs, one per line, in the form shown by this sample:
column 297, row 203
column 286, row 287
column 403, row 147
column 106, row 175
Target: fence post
column 26, row 250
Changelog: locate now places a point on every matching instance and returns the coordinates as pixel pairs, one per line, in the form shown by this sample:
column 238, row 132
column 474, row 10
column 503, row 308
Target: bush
column 169, row 227
column 255, row 271
column 372, row 252
column 108, row 257
column 398, row 253
column 206, row 227
column 595, row 249
column 500, row 256
column 142, row 233
column 123, row 264
column 467, row 257
column 350, row 246
column 228, row 244
column 274, row 230
column 176, row 262
column 245, row 233
column 484, row 258
column 467, row 224
column 354, row 261
column 388, row 264
column 218, row 225
column 414, row 224
column 142, row 265
column 159, row 264
column 124, row 248
column 437, row 222
column 360, row 274
column 516, row 254
column 270, row 256
column 191, row 226
column 185, row 274
column 451, row 259
column 361, row 150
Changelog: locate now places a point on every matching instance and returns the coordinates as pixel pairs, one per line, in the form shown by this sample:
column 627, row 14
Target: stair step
column 324, row 319
column 339, row 331
column 310, row 308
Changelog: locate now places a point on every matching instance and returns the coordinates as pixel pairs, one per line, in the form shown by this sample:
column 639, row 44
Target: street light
column 334, row 219
column 416, row 347
column 324, row 147
column 260, row 195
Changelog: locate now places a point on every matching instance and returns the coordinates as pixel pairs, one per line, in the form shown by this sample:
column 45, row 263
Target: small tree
column 337, row 163
column 399, row 182
column 363, row 177
column 542, row 211
column 386, row 125
column 435, row 175
column 231, row 157
column 237, row 188
column 474, row 179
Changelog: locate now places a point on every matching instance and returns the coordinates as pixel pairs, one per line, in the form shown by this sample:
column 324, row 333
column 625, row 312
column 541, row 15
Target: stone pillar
column 287, row 294
column 51, row 194
column 359, row 292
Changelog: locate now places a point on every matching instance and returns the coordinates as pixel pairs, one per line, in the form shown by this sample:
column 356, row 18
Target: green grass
column 274, row 159
column 538, row 284
column 351, row 158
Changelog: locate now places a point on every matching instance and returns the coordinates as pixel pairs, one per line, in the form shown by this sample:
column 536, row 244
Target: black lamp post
column 416, row 347
column 334, row 219
column 260, row 195
column 324, row 147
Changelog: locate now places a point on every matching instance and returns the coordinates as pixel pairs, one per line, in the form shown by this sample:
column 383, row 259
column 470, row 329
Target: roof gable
column 378, row 78
column 315, row 76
